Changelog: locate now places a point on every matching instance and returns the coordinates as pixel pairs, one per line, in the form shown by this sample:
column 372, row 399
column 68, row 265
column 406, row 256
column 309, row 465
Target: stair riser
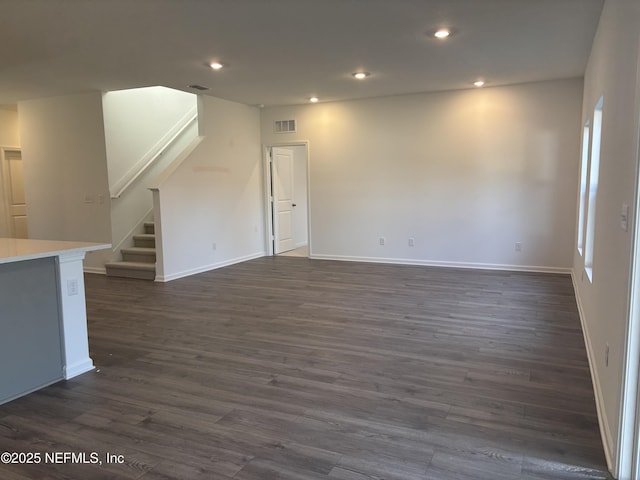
column 144, row 242
column 127, row 273
column 150, row 229
column 139, row 257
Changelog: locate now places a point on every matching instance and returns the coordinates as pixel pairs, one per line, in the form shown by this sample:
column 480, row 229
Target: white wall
column 65, row 165
column 135, row 122
column 215, row 196
column 611, row 72
column 467, row 174
column 138, row 124
column 300, row 227
column 9, row 137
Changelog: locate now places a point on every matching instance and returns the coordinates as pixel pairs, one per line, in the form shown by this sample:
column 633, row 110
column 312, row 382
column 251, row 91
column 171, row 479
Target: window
column 594, row 171
column 583, row 185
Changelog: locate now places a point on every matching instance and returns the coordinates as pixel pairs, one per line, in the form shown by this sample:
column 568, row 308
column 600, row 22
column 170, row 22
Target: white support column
column 73, row 311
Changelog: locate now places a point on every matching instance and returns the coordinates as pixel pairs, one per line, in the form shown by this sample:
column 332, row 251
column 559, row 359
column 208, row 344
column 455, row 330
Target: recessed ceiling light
column 442, row 33
column 479, row 83
column 216, row 65
column 314, row 99
column 361, row 75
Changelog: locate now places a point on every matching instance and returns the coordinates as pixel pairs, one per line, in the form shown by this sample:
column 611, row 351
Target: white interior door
column 282, row 177
column 16, row 201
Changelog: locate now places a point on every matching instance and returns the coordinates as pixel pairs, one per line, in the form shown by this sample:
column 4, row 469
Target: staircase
column 138, row 261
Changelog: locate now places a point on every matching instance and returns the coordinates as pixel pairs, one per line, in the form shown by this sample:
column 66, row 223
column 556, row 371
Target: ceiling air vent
column 284, row 126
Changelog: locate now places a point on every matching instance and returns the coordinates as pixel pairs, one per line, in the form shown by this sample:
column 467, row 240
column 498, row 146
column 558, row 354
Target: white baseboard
column 603, row 421
column 98, row 270
column 78, row 368
column 433, row 263
column 206, row 268
column 301, row 244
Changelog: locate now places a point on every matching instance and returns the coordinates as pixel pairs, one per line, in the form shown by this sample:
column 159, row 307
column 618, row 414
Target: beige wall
column 65, row 170
column 9, row 132
column 612, row 73
column 467, row 174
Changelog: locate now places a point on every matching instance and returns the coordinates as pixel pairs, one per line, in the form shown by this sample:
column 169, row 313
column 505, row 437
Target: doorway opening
column 13, row 204
column 287, row 199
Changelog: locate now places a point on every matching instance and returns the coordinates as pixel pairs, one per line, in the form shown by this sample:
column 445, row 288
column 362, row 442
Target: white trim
column 268, row 211
column 269, row 236
column 435, row 263
column 627, row 460
column 207, row 268
column 78, row 368
column 96, row 270
column 157, row 219
column 73, row 313
column 603, row 422
column 73, row 256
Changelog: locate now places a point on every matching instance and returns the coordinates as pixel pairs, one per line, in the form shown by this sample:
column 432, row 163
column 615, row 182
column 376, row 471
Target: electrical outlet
column 518, row 246
column 72, row 287
column 381, row 241
column 606, row 354
column 412, row 242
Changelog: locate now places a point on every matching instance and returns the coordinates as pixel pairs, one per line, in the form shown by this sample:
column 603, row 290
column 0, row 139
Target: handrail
column 151, row 161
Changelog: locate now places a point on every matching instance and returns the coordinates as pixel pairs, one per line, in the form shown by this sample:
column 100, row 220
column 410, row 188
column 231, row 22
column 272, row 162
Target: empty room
column 304, row 239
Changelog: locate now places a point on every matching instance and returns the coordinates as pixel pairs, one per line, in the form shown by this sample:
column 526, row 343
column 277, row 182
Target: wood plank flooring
column 295, row 369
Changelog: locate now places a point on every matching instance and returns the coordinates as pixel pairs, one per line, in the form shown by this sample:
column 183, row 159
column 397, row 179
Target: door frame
column 4, row 178
column 268, row 197
column 627, row 462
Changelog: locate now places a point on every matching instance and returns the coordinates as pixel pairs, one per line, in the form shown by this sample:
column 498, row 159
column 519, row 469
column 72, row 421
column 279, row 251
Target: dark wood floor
column 288, row 368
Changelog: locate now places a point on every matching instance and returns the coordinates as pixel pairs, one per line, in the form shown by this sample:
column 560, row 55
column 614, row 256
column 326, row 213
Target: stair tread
column 145, row 235
column 132, row 265
column 139, row 250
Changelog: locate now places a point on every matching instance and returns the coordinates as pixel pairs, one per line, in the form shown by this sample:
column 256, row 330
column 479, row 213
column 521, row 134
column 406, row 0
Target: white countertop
column 18, row 249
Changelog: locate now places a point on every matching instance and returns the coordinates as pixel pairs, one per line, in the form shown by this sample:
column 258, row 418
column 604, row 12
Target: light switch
column 624, row 217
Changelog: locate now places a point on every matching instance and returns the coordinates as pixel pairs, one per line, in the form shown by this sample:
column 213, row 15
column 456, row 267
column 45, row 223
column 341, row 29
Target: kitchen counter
column 43, row 316
column 19, row 249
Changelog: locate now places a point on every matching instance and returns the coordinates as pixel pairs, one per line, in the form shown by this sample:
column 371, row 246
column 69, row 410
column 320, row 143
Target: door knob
column 293, row 204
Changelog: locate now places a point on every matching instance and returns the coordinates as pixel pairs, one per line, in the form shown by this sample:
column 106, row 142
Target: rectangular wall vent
column 284, row 126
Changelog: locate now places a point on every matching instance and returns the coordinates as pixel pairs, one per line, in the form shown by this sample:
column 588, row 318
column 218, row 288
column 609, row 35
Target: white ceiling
column 284, row 51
